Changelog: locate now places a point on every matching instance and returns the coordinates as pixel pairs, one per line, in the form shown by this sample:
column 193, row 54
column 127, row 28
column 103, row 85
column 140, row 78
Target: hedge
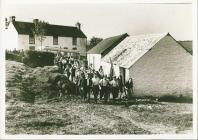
column 14, row 56
column 38, row 58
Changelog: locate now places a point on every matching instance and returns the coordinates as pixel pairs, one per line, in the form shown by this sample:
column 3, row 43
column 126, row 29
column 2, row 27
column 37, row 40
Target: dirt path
column 118, row 119
column 153, row 128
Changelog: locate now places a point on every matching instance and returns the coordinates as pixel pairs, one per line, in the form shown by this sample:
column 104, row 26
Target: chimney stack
column 78, row 25
column 12, row 18
column 35, row 21
column 6, row 23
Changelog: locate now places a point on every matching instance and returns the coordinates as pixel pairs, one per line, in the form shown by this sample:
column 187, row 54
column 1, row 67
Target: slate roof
column 52, row 30
column 107, row 45
column 132, row 48
column 187, row 45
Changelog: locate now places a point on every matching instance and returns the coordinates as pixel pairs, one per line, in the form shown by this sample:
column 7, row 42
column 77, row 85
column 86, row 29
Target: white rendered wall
column 95, row 60
column 48, row 41
column 10, row 38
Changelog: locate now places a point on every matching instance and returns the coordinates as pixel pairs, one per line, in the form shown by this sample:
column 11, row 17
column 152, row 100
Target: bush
column 38, row 58
column 14, row 56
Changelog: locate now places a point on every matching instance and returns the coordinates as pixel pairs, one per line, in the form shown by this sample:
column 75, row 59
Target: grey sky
column 107, row 19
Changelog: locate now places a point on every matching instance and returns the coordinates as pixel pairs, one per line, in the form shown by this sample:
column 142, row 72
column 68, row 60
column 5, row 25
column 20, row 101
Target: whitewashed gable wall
column 10, row 38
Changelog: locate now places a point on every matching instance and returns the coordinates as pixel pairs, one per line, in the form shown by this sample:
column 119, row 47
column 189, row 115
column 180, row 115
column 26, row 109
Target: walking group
column 93, row 83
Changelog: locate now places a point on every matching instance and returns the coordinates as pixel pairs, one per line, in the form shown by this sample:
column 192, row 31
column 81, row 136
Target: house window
column 55, row 40
column 31, row 39
column 74, row 41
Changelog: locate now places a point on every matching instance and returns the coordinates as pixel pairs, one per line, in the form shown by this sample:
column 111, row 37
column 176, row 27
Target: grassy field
column 72, row 116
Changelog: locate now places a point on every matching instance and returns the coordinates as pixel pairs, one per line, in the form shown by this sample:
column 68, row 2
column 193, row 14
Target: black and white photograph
column 99, row 69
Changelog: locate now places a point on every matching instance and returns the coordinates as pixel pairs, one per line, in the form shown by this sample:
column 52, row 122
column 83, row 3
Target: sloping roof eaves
column 107, row 44
column 23, row 27
column 52, row 30
column 122, row 37
column 187, row 45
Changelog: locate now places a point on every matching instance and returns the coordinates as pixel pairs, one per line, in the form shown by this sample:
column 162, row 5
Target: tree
column 39, row 30
column 93, row 42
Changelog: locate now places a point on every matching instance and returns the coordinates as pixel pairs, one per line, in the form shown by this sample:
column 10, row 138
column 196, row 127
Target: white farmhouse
column 69, row 39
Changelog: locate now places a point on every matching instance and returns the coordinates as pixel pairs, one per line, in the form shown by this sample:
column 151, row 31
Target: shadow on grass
column 148, row 100
column 136, row 100
column 176, row 99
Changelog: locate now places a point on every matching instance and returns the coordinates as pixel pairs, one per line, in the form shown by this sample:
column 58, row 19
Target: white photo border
column 159, row 136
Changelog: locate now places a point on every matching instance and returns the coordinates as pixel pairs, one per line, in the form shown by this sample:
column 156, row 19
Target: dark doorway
column 122, row 73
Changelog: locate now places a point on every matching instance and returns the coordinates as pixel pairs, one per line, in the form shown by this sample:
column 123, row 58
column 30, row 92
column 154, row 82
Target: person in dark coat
column 101, row 72
column 108, row 90
column 77, row 83
column 103, row 84
column 89, row 87
column 120, row 85
column 73, row 70
column 129, row 88
column 60, row 63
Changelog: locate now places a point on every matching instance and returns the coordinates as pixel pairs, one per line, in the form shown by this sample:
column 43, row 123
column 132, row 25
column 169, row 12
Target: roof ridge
column 106, row 44
column 48, row 24
column 139, row 35
column 116, row 36
column 60, row 30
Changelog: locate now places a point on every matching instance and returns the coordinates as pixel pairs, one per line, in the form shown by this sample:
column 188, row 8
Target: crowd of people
column 93, row 83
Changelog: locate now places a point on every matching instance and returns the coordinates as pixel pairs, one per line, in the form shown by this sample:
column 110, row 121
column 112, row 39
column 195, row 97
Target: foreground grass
column 72, row 116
